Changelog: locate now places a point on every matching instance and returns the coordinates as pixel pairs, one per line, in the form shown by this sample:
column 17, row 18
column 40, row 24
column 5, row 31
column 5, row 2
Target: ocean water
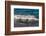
column 21, row 11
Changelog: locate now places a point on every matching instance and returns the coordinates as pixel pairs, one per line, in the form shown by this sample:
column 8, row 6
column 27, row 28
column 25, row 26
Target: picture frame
column 10, row 5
